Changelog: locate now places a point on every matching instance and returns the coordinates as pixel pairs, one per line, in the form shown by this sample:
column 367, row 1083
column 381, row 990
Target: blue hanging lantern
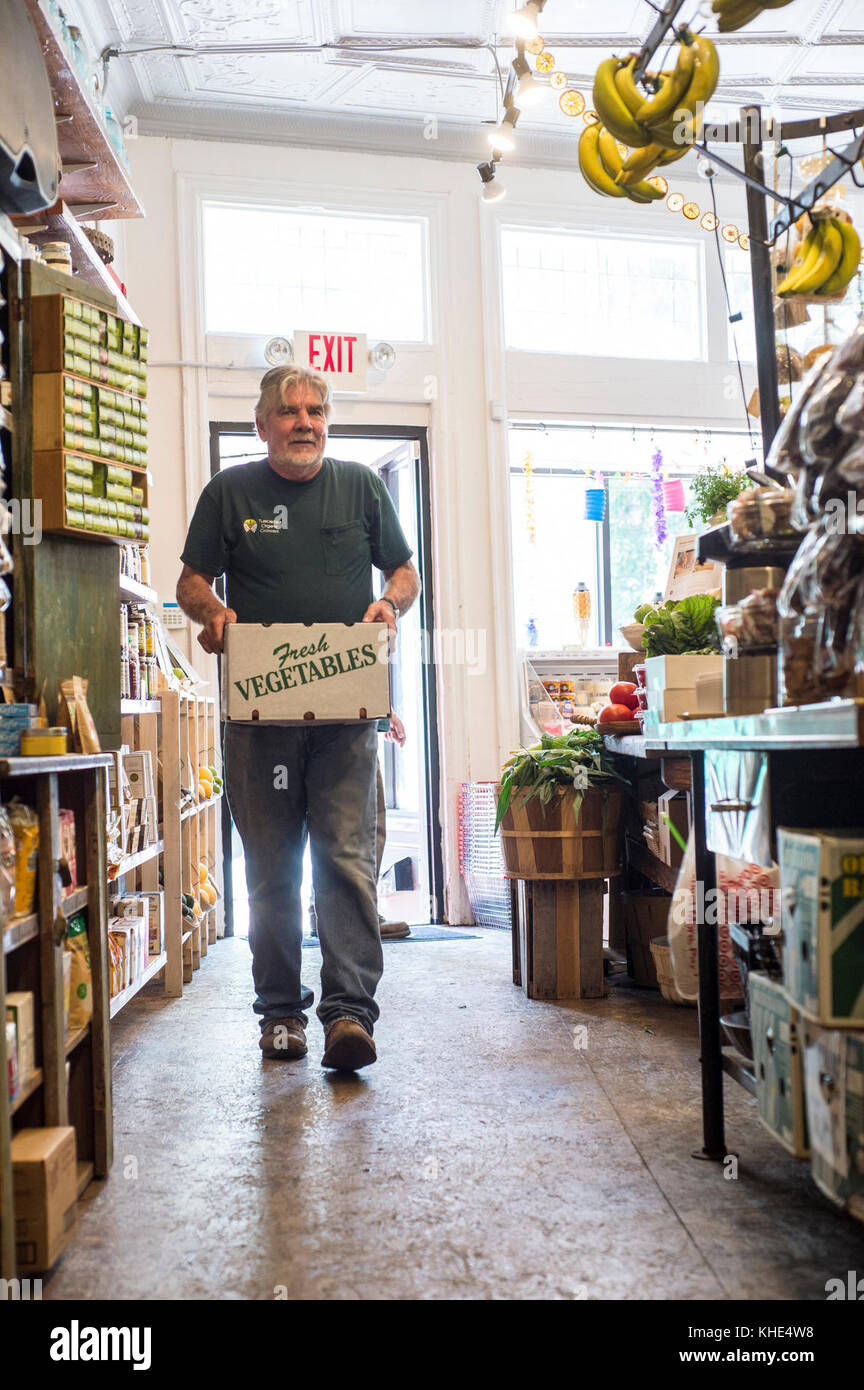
column 595, row 503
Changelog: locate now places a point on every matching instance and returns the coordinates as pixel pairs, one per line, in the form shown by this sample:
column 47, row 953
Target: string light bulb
column 523, row 22
column 529, row 92
column 503, row 137
column 493, row 191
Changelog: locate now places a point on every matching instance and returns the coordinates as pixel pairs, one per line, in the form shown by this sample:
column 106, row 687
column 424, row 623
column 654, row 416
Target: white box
column 680, row 672
column 298, row 673
column 665, row 706
column 19, row 1010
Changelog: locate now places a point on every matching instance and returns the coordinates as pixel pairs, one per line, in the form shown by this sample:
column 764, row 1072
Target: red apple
column 615, row 714
column 624, row 693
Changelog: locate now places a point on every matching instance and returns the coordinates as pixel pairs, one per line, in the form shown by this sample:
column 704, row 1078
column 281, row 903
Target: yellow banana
column 828, row 261
column 850, row 259
column 673, row 89
column 806, row 256
column 591, row 164
column 732, row 17
column 611, row 108
column 610, row 157
column 638, row 164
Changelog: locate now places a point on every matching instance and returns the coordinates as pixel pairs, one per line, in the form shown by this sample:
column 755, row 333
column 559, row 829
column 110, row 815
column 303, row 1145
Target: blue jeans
column 283, row 783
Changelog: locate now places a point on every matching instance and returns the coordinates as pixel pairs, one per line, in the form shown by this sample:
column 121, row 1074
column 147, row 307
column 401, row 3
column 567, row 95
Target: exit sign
column 340, row 357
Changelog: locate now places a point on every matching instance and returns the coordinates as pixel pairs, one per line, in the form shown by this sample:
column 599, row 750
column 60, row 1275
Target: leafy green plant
column 711, row 490
column 576, row 761
column 685, row 626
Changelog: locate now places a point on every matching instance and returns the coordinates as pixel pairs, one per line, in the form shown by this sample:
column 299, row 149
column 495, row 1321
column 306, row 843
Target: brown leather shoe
column 283, row 1039
column 393, row 931
column 347, row 1046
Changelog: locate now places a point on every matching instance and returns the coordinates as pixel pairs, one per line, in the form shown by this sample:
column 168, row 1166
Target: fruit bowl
column 632, row 634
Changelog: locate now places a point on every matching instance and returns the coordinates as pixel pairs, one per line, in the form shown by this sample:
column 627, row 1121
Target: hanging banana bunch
column 826, row 259
column 734, row 14
column 660, row 128
column 601, row 162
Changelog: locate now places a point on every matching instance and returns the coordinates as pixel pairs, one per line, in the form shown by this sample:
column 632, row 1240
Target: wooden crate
column 558, row 951
column 646, row 918
column 51, row 404
column 49, row 485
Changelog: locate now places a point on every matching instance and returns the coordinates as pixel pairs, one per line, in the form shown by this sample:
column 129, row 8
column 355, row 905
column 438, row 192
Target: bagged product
column 25, row 828
column 7, row 866
column 81, row 982
column 74, row 713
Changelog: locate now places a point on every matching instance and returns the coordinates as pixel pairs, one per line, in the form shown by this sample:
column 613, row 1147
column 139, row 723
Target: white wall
column 478, row 713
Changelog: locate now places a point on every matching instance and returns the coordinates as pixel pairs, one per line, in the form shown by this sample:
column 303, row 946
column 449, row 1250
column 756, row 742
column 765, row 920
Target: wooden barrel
column 540, row 842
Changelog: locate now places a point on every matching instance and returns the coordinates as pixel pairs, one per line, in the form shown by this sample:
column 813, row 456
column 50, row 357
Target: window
column 553, row 547
column 740, row 286
column 273, row 270
column 608, row 296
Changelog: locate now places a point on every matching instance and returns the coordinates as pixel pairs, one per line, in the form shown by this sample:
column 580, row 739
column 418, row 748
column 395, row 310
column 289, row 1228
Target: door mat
column 419, row 934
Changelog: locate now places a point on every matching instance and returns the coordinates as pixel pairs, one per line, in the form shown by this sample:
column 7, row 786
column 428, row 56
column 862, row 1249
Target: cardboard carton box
column 675, row 805
column 822, row 893
column 777, row 1042
column 294, row 673
column 19, row 1010
column 680, row 672
column 834, row 1083
column 46, row 1194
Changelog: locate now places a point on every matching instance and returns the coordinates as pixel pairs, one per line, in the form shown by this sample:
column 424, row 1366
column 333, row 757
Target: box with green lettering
column 822, row 885
column 776, row 1031
column 834, row 1083
column 300, row 673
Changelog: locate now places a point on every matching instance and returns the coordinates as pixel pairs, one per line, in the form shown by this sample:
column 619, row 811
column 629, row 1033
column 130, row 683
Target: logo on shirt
column 250, row 524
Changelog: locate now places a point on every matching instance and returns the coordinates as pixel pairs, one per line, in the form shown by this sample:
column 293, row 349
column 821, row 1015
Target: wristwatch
column 385, row 599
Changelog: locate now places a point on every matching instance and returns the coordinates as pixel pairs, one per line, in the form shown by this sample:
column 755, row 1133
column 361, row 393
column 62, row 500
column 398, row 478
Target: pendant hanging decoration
column 658, row 505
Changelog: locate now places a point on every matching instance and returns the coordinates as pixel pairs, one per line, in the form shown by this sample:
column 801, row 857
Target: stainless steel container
column 738, row 583
column 750, row 683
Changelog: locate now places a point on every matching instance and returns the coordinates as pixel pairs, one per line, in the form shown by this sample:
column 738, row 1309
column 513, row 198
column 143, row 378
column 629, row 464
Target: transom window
column 603, row 296
column 271, row 270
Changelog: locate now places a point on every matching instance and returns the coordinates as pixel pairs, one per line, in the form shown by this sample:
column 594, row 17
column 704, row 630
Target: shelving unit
column 32, row 960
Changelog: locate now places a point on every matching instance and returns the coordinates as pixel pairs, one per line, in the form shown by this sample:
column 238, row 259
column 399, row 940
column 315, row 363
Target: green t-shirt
column 296, row 552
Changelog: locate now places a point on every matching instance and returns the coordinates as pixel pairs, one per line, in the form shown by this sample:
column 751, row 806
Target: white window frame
column 332, row 211
column 598, row 233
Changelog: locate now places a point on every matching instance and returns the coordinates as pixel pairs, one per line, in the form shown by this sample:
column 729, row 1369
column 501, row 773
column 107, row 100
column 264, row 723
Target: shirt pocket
column 345, row 547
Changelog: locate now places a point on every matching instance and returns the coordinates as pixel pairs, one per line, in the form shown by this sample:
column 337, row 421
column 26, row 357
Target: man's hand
column 380, row 612
column 212, row 633
column 396, row 732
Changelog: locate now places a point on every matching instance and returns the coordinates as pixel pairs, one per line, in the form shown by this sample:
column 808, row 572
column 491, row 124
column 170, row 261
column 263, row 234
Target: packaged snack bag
column 81, row 983
column 25, row 828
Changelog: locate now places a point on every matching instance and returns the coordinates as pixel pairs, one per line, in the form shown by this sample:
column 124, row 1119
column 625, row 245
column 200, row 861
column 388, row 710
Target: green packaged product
column 145, row 514
column 121, row 492
column 74, row 518
column 72, row 308
column 115, row 474
column 85, row 485
column 138, row 495
column 75, row 501
column 74, row 464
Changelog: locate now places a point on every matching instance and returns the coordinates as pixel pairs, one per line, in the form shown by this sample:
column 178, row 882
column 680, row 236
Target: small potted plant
column 559, row 809
column 711, row 491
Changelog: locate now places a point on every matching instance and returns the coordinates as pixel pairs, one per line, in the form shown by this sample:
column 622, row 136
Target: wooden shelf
column 133, row 591
column 187, row 935
column 59, row 762
column 640, row 857
column 59, row 223
column 76, row 1037
column 117, row 1003
column 139, row 706
column 83, row 1176
column 201, row 806
column 84, row 139
column 141, row 857
column 33, row 1082
column 18, row 930
column 74, row 901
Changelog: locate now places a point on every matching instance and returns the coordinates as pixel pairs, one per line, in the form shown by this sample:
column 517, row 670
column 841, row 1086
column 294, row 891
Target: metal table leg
column 711, row 1056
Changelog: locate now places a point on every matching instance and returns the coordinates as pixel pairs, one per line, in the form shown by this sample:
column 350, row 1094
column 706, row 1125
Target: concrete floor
column 483, row 1157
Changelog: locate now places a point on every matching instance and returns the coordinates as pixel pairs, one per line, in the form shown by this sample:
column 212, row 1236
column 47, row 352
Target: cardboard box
column 777, row 1044
column 294, row 673
column 680, row 672
column 45, row 1188
column 153, row 903
column 822, row 894
column 675, row 805
column 19, row 1010
column 834, row 1086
